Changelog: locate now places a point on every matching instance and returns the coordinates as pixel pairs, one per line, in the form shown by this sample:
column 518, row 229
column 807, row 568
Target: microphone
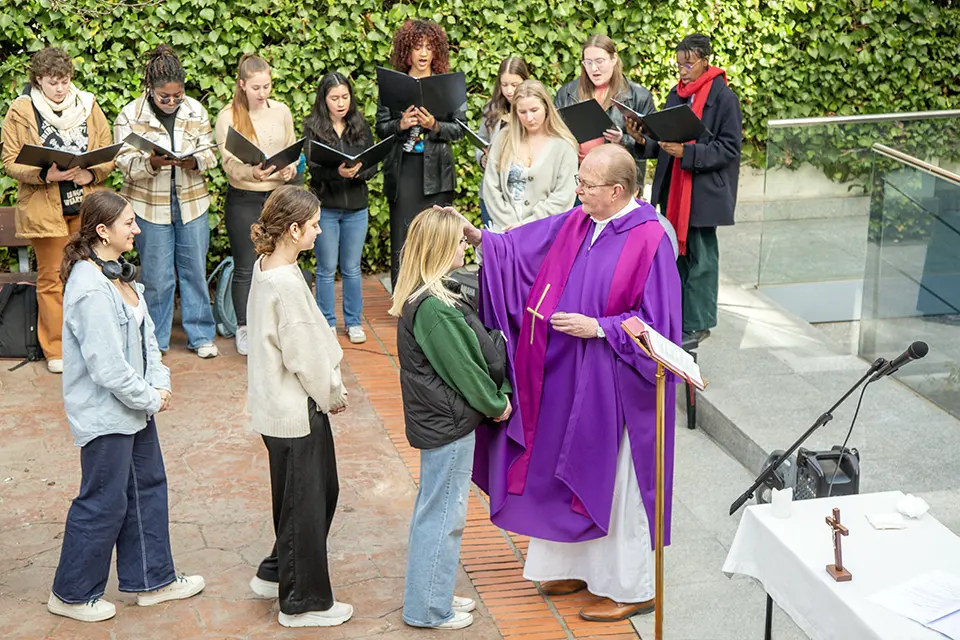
column 915, row 351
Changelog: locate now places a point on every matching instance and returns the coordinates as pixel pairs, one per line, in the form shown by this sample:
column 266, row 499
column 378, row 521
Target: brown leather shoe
column 561, row 587
column 606, row 610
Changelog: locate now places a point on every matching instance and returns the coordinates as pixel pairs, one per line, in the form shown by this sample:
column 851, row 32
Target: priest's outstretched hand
column 575, row 324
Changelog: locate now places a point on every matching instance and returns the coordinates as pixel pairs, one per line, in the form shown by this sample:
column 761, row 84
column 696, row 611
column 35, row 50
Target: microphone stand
column 767, row 476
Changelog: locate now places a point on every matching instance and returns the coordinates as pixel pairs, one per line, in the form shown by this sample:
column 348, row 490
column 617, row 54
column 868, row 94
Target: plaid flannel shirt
column 147, row 189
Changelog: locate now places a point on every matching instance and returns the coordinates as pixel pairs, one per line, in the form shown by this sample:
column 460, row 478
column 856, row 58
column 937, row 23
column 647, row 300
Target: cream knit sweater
column 274, row 127
column 292, row 354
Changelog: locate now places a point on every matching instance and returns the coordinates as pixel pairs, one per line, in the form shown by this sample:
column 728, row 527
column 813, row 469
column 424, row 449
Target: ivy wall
column 784, row 58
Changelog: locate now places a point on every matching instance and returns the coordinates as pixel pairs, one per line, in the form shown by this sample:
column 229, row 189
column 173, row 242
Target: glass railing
column 912, row 282
column 814, row 213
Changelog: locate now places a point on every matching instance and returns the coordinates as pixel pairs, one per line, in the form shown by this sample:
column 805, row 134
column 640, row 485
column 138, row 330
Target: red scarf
column 681, row 184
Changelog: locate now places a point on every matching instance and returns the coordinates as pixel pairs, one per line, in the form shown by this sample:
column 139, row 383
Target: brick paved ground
column 220, row 512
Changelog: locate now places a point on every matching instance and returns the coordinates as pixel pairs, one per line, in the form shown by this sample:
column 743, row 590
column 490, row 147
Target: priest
column 575, row 467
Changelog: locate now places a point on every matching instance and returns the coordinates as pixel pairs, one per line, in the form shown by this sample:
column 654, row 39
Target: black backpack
column 18, row 323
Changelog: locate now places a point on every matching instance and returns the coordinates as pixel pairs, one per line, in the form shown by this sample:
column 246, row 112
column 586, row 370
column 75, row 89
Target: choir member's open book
column 328, row 156
column 474, row 137
column 676, row 124
column 670, row 355
column 34, row 156
column 249, row 153
column 148, row 146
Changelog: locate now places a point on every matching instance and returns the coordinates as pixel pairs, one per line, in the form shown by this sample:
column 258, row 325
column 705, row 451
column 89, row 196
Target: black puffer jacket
column 434, row 413
column 439, row 169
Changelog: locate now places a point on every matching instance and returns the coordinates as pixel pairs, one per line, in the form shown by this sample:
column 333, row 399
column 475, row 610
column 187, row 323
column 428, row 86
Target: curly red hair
column 411, row 34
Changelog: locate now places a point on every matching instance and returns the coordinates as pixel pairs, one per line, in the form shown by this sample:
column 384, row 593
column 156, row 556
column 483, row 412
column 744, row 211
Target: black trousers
column 410, row 201
column 304, row 488
column 242, row 210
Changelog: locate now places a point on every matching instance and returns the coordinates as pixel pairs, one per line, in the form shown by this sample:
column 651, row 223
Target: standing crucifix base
column 837, row 570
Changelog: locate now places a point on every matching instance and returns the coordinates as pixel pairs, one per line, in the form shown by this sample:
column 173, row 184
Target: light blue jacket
column 105, row 389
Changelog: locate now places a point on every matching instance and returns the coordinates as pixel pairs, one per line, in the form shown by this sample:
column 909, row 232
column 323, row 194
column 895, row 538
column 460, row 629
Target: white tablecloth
column 789, row 556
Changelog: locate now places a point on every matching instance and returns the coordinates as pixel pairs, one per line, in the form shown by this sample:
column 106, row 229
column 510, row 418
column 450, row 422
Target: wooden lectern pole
column 660, row 502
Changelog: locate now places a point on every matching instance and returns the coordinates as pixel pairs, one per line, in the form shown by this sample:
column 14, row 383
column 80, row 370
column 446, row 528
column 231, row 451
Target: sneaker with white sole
column 208, row 350
column 180, row 589
column 460, row 620
column 339, row 613
column 356, row 335
column 265, row 588
column 95, row 610
column 55, row 365
column 465, row 605
column 241, row 340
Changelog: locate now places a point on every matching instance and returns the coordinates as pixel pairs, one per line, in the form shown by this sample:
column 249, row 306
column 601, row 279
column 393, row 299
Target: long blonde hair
column 516, row 133
column 618, row 82
column 426, row 256
column 249, row 65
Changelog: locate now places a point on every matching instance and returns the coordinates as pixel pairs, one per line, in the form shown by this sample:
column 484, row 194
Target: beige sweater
column 292, row 354
column 274, row 127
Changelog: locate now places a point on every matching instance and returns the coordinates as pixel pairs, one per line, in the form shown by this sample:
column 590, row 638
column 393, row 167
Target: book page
column 671, row 355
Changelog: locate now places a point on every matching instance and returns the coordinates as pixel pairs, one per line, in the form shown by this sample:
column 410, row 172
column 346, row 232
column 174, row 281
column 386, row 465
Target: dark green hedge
column 785, row 59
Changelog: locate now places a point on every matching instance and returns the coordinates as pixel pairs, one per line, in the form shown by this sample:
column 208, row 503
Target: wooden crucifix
column 535, row 313
column 837, row 570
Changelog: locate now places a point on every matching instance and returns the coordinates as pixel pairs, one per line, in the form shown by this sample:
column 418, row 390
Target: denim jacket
column 106, row 388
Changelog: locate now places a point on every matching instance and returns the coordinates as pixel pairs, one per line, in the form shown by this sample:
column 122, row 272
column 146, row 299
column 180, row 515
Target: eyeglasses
column 595, row 63
column 688, row 65
column 178, row 99
column 586, row 186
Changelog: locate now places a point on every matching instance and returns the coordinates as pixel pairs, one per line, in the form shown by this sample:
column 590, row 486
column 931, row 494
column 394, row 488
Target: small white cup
column 782, row 501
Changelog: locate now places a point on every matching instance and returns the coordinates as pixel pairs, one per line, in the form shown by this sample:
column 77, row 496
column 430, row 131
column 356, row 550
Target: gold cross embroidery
column 535, row 313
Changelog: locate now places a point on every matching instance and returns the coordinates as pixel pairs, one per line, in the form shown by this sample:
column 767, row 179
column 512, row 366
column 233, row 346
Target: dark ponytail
column 100, row 207
column 163, row 67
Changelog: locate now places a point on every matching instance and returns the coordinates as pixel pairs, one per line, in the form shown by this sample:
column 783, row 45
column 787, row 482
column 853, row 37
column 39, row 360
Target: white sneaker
column 265, row 588
column 339, row 613
column 180, row 589
column 241, row 340
column 356, row 335
column 464, row 605
column 460, row 620
column 94, row 611
column 55, row 365
column 208, row 350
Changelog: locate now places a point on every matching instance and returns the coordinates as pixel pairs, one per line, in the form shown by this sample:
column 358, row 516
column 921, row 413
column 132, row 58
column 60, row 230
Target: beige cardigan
column 551, row 184
column 274, row 127
column 292, row 354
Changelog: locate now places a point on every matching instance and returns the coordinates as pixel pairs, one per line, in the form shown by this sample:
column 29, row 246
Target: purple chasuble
column 550, row 470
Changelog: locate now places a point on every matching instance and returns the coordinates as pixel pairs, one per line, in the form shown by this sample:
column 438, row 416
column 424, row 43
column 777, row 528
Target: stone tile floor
column 220, row 512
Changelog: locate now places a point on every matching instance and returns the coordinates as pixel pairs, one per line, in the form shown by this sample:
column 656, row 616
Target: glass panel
column 912, row 284
column 816, row 206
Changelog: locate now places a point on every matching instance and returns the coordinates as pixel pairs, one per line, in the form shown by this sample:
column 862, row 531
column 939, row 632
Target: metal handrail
column 864, row 119
column 916, row 163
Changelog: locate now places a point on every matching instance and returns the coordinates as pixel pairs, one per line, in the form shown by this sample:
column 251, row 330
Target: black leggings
column 242, row 210
column 410, row 201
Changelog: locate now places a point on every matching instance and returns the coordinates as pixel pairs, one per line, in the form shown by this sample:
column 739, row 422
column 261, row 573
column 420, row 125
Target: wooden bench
column 8, row 238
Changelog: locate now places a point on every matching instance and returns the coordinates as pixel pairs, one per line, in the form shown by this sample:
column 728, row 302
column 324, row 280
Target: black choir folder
column 676, row 124
column 249, row 153
column 442, row 95
column 329, row 157
column 586, row 120
column 34, row 156
column 473, row 136
column 139, row 142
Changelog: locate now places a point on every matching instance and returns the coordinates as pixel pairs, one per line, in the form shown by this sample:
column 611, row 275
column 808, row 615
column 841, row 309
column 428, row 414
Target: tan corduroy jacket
column 39, row 208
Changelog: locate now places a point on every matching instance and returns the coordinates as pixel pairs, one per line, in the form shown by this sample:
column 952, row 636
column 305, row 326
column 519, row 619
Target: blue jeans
column 122, row 503
column 439, row 517
column 343, row 233
column 170, row 253
column 484, row 215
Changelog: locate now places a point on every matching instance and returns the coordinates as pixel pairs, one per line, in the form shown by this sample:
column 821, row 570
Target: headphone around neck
column 118, row 269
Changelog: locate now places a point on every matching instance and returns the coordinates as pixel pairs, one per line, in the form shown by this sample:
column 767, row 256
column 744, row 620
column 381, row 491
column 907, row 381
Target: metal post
column 660, row 506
